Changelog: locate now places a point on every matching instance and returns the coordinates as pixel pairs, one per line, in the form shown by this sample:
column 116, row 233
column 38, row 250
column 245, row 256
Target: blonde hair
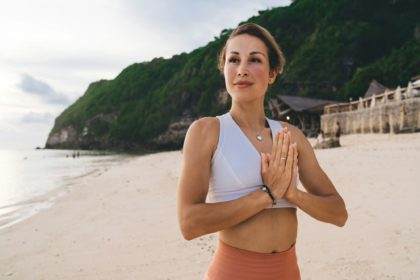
column 275, row 54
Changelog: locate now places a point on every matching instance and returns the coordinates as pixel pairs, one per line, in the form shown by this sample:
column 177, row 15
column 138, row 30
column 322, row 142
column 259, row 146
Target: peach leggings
column 230, row 263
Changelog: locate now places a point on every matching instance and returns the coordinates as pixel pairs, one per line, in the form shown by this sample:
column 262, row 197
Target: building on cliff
column 302, row 112
column 391, row 111
column 375, row 88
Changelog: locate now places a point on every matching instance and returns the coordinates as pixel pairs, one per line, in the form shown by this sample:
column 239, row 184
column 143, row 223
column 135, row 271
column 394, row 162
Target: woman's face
column 246, row 68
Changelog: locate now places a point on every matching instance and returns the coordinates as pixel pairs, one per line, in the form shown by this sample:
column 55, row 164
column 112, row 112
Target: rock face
column 65, row 138
column 328, row 143
column 93, row 135
column 173, row 137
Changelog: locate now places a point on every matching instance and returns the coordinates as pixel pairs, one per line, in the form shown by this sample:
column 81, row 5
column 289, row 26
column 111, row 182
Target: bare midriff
column 269, row 231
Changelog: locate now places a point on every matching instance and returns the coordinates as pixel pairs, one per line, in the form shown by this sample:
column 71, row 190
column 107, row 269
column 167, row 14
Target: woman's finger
column 277, row 150
column 264, row 163
column 274, row 146
column 295, row 163
column 280, row 141
column 295, row 160
column 295, row 173
column 289, row 160
column 281, row 160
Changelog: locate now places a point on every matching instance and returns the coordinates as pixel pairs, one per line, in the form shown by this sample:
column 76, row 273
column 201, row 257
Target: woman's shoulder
column 204, row 132
column 205, row 125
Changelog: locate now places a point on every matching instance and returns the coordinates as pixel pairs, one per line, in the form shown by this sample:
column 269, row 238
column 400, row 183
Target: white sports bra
column 236, row 164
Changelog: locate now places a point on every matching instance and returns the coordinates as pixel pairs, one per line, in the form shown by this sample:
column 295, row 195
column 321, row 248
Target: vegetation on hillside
column 333, row 50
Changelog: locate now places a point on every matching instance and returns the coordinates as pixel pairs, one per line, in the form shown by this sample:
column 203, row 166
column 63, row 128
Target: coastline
column 29, row 203
column 26, row 208
column 121, row 223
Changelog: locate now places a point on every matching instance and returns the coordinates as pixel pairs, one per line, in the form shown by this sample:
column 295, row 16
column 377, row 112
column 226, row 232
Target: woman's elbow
column 187, row 236
column 342, row 220
column 341, row 213
column 187, row 232
column 188, row 228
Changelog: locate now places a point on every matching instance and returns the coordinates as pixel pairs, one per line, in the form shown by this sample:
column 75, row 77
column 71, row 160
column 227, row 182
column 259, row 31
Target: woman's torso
column 272, row 229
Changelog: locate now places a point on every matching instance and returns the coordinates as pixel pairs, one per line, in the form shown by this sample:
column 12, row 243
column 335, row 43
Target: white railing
column 412, row 90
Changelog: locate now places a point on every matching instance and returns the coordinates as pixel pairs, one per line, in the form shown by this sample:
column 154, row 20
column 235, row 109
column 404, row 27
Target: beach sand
column 121, row 223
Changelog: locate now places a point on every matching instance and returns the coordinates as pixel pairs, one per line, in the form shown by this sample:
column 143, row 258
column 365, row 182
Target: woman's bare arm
column 197, row 218
column 321, row 201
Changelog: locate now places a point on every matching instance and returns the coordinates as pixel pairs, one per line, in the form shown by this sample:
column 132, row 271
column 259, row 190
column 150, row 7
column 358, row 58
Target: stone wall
column 386, row 117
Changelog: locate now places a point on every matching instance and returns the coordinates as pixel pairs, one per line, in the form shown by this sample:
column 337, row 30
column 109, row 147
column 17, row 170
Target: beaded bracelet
column 266, row 189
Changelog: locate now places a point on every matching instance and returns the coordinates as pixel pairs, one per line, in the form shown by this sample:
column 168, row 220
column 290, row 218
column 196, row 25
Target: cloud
column 33, row 117
column 30, row 85
column 188, row 24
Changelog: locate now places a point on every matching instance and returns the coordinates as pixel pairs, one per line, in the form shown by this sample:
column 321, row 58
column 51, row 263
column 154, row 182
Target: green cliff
column 333, row 50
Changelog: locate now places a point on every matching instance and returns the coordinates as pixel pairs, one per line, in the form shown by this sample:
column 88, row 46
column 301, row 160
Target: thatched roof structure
column 304, row 112
column 375, row 88
column 301, row 104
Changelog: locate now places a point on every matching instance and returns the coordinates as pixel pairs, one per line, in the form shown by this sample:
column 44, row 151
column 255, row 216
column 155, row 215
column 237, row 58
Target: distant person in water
column 240, row 171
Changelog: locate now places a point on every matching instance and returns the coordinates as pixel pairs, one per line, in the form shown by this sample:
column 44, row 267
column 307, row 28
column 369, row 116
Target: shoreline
column 122, row 224
column 26, row 208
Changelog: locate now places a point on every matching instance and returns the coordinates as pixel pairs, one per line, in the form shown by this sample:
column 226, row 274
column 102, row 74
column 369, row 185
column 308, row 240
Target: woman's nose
column 242, row 70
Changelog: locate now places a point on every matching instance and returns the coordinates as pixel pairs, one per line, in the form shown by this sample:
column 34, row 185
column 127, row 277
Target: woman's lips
column 243, row 85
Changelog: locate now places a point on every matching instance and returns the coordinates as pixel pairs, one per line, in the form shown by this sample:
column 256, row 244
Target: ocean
column 27, row 175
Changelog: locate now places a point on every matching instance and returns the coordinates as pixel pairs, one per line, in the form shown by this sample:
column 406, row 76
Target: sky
column 50, row 51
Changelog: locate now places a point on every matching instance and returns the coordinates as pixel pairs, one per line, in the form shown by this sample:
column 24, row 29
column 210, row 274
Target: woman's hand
column 291, row 192
column 279, row 169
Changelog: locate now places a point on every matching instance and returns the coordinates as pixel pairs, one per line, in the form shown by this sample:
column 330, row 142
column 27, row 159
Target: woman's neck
column 251, row 117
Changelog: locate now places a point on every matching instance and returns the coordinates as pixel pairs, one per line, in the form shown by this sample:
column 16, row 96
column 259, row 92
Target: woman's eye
column 236, row 60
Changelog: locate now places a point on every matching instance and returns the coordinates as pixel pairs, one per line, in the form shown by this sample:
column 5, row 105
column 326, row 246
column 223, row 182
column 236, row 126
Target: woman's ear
column 272, row 76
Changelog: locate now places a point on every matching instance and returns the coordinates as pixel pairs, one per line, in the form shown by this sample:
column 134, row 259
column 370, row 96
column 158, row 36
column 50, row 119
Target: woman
column 246, row 165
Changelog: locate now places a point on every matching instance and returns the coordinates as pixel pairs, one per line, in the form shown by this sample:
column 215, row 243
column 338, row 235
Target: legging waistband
column 233, row 263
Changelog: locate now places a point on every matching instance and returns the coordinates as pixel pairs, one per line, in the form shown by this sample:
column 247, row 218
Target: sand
column 120, row 223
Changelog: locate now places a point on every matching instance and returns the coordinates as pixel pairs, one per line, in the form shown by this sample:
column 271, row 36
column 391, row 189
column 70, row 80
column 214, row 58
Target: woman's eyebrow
column 257, row 53
column 254, row 52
